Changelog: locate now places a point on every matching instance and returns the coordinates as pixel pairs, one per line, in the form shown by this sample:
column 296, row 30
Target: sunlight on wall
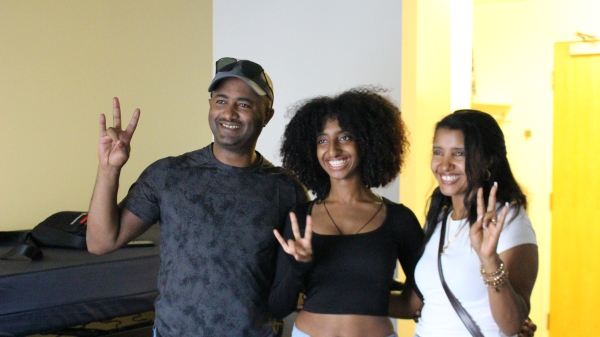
column 436, row 79
column 514, row 64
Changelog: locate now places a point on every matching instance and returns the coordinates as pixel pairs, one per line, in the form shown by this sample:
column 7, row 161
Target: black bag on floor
column 63, row 229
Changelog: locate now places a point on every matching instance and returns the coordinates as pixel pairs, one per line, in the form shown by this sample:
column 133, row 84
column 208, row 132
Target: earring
column 489, row 175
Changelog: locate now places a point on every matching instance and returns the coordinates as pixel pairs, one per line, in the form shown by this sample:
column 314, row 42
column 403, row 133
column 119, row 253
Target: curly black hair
column 375, row 122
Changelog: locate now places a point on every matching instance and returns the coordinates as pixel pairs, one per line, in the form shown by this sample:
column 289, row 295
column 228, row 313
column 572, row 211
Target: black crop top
column 349, row 274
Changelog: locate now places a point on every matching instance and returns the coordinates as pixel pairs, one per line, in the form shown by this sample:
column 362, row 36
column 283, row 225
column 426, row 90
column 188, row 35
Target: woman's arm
column 294, row 261
column 510, row 303
column 404, row 304
column 509, row 290
column 287, row 286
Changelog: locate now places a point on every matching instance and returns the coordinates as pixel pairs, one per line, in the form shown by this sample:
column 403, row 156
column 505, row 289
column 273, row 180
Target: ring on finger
column 494, row 220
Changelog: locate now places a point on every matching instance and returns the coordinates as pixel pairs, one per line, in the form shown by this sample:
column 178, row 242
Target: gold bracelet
column 495, row 279
column 497, row 283
column 492, row 274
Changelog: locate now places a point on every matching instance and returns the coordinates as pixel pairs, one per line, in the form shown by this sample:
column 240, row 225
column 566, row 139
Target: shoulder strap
column 24, row 245
column 462, row 313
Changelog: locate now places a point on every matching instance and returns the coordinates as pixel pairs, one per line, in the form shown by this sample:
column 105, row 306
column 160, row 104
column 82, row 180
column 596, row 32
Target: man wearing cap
column 217, row 208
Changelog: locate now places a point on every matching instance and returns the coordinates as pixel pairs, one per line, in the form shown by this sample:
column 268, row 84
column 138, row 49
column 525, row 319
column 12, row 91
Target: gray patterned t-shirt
column 217, row 244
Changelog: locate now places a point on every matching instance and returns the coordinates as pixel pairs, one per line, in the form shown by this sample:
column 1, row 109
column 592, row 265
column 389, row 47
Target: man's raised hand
column 115, row 144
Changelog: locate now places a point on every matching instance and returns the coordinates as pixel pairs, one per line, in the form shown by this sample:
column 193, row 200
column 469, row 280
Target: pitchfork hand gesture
column 485, row 232
column 300, row 248
column 115, row 144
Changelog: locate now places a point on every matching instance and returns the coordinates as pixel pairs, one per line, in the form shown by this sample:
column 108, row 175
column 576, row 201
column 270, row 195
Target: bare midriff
column 329, row 325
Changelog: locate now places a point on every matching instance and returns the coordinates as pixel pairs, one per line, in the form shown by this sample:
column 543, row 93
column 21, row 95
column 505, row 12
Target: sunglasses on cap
column 251, row 70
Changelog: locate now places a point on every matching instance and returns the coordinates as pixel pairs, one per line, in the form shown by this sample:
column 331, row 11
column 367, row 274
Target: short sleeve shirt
column 461, row 264
column 217, row 244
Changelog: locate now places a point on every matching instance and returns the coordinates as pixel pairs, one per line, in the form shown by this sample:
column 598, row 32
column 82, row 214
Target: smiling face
column 337, row 152
column 448, row 162
column 237, row 116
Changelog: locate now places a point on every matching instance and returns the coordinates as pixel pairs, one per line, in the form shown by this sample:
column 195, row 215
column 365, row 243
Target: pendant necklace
column 463, row 225
column 363, row 226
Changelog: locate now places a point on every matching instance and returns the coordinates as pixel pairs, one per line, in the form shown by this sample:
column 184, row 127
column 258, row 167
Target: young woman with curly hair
column 341, row 249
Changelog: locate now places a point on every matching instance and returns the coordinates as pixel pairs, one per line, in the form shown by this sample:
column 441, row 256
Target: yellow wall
column 61, row 62
column 433, row 69
column 436, row 80
column 425, row 96
column 513, row 65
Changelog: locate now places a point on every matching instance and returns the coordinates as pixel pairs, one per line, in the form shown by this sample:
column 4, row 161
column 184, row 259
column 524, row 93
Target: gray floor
column 128, row 326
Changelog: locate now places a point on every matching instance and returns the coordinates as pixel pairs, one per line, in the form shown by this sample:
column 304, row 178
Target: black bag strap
column 25, row 246
column 462, row 313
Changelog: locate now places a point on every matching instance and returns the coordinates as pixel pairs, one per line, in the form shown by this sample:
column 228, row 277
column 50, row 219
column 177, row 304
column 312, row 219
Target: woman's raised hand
column 485, row 232
column 299, row 247
column 114, row 144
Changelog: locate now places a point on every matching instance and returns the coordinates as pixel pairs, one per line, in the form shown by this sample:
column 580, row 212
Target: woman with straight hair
column 478, row 238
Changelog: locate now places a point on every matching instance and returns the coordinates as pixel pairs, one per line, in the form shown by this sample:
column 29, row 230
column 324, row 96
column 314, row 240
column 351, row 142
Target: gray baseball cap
column 249, row 72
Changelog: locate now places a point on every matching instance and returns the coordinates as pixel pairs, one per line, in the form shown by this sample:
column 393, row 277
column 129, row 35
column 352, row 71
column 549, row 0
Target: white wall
column 312, row 48
column 513, row 47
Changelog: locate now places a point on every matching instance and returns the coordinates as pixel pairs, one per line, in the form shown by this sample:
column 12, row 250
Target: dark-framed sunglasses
column 249, row 69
